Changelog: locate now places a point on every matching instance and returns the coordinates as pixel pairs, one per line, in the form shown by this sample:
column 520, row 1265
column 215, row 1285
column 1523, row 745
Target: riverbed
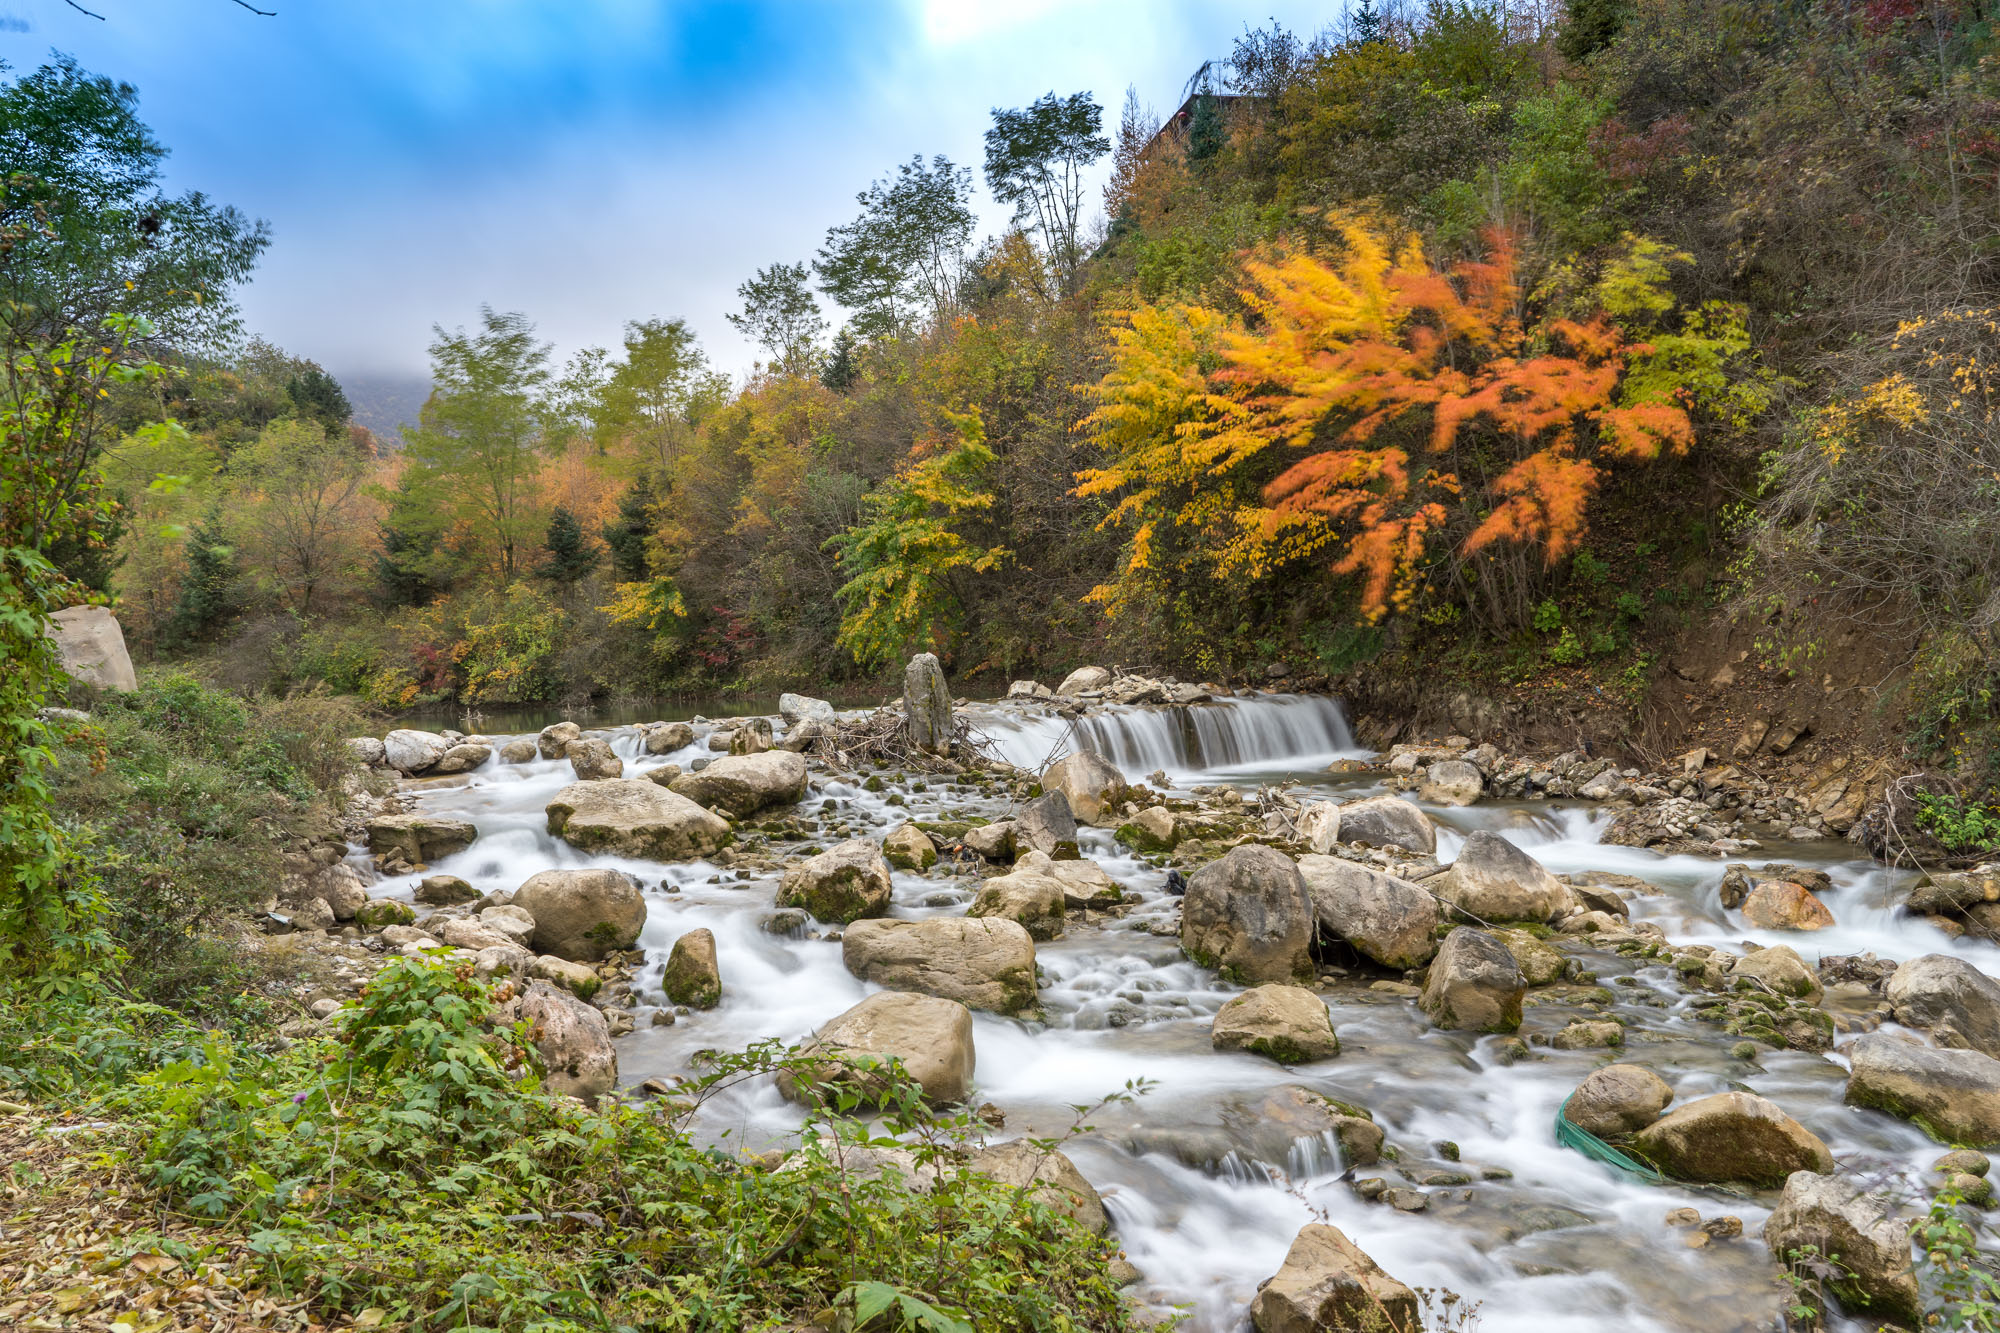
column 1544, row 1239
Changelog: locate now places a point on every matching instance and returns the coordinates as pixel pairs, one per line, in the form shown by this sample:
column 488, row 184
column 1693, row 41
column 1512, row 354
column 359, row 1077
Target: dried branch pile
column 880, row 740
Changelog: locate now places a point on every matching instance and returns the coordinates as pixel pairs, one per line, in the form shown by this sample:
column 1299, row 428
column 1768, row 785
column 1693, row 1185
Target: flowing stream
column 1205, row 1198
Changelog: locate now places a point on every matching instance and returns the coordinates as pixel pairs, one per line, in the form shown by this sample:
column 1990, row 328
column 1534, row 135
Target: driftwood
column 880, row 740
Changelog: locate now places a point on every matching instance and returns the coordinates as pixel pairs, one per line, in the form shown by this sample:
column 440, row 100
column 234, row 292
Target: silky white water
column 1204, row 1206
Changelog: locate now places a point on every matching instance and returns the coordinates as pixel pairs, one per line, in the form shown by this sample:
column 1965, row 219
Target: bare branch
column 261, row 13
column 81, row 10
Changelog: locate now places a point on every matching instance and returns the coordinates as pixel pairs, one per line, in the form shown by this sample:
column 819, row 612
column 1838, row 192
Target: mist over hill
column 386, row 403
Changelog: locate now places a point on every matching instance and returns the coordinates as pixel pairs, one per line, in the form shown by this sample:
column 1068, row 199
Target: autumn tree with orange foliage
column 1439, row 416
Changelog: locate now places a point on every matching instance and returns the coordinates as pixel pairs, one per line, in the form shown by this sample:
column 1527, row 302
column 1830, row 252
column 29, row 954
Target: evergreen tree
column 569, row 553
column 626, row 535
column 403, row 571
column 1205, row 131
column 841, row 370
column 319, row 395
column 208, row 589
column 1368, row 25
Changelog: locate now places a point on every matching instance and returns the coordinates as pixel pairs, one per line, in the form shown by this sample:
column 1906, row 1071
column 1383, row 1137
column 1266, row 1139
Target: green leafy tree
column 475, row 455
column 780, row 315
column 304, row 484
column 906, row 249
column 660, row 393
column 209, row 588
column 569, row 554
column 905, row 560
column 1036, row 160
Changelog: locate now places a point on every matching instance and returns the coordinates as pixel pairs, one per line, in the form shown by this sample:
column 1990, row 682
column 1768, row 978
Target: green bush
column 411, row 1163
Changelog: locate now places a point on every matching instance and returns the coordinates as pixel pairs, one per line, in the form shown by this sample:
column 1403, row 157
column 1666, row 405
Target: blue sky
column 586, row 161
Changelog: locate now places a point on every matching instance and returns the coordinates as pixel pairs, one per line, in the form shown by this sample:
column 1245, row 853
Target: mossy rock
column 1139, row 840
column 379, row 912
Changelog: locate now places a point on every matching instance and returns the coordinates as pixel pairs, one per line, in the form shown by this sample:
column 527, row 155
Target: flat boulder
column 1617, row 1100
column 692, row 977
column 1328, row 1283
column 1031, row 894
column 1952, row 1095
column 1959, row 1004
column 797, row 708
column 573, row 1039
column 1086, row 886
column 930, row 1035
column 1248, row 915
column 1091, row 784
column 592, row 760
column 1474, row 984
column 1494, row 881
column 744, row 784
column 418, row 836
column 519, row 752
column 1288, row 1024
column 1732, row 1138
column 1084, row 678
column 461, row 757
column 636, row 818
column 667, row 737
column 1388, row 921
column 1384, row 821
column 982, row 963
column 844, row 883
column 1832, row 1215
column 409, row 751
column 444, row 891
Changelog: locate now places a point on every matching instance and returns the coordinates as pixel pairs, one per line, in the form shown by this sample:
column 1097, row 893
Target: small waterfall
column 1254, row 732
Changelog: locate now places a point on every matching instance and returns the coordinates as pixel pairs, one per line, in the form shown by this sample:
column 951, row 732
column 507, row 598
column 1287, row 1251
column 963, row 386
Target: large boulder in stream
column 1389, row 921
column 1781, row 904
column 844, row 883
column 1055, row 1181
column 583, row 915
column 1834, row 1216
column 667, row 737
column 1248, row 915
column 743, row 784
column 553, row 741
column 1955, row 1000
column 692, row 977
column 931, row 1036
column 1732, row 1138
column 1952, row 1095
column 1091, row 784
column 1047, row 825
column 1327, row 1282
column 636, row 818
column 418, row 836
column 1031, row 894
column 1617, row 1100
column 908, row 847
column 927, row 715
column 1474, row 984
column 593, row 760
column 1288, row 1024
column 573, row 1039
column 985, row 963
column 1084, row 678
column 409, row 751
column 1452, row 782
column 1494, row 881
column 1379, row 821
column 1781, row 970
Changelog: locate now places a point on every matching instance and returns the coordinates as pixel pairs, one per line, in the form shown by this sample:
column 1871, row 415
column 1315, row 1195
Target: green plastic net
column 1574, row 1136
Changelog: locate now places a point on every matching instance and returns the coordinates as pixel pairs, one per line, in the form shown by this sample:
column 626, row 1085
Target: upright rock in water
column 1833, row 1216
column 1474, row 984
column 844, row 883
column 1954, row 1096
column 752, row 736
column 927, row 705
column 1046, row 825
column 583, row 915
column 692, row 977
column 1090, row 783
column 1248, row 916
column 1732, row 1138
column 931, row 1036
column 1955, row 1000
column 1388, row 921
column 1493, row 881
column 91, row 647
column 1327, row 1282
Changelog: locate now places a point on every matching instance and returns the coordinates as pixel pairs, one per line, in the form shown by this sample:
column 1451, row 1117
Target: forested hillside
column 1527, row 347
